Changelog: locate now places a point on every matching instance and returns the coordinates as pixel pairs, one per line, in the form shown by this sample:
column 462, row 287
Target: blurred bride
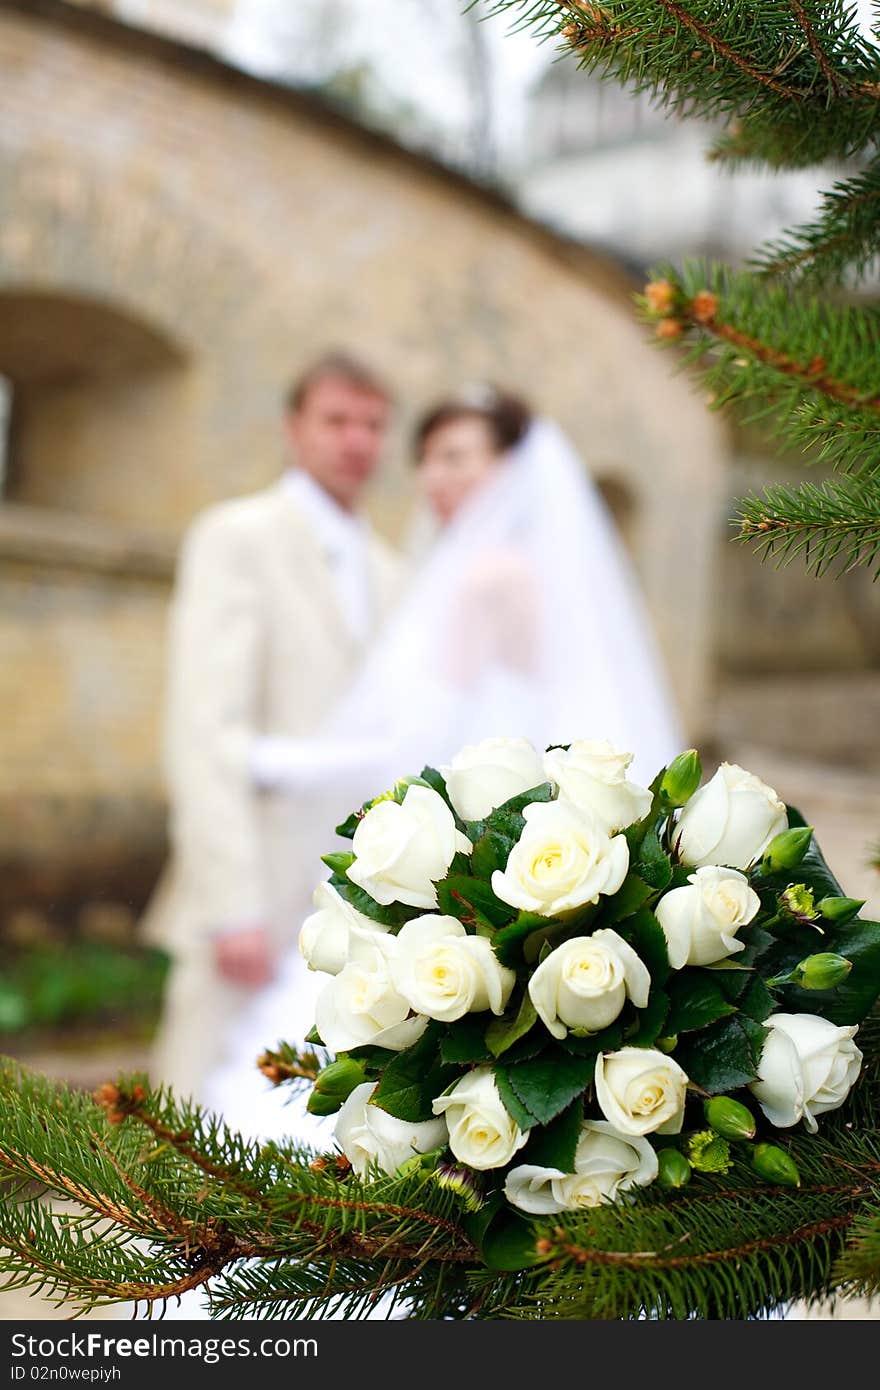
column 523, row 619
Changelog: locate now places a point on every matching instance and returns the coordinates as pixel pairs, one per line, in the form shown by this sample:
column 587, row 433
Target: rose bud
column 839, row 910
column 798, row 902
column 729, row 1118
column 682, row 777
column 334, row 1085
column 787, row 850
column 825, row 970
column 774, row 1165
column 673, row 1168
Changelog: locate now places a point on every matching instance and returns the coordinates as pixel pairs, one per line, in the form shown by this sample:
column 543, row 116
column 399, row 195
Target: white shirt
column 302, row 764
column 342, row 538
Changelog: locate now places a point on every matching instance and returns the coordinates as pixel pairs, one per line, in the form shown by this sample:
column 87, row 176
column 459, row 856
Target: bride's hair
column 507, row 416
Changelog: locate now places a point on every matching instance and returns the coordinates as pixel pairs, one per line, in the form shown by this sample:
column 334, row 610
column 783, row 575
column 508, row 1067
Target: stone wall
column 177, row 239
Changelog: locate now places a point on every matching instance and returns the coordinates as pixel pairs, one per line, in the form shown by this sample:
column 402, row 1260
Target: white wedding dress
column 523, row 619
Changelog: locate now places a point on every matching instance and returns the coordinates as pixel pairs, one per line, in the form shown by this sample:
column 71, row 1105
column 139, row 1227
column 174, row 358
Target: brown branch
column 816, row 48
column 656, row 1259
column 812, row 374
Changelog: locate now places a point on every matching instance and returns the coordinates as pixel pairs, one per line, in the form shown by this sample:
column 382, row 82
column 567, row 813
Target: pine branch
column 274, row 1231
column 830, row 525
column 841, row 244
column 806, row 369
column 796, row 76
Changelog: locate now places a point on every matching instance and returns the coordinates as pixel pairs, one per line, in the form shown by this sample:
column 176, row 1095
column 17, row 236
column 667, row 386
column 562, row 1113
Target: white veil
column 525, row 618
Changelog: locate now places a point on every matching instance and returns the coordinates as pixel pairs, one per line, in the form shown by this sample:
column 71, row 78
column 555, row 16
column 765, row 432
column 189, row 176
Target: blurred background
column 198, row 197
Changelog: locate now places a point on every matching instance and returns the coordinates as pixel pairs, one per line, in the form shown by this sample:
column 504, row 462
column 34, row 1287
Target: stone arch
column 180, row 305
column 91, row 389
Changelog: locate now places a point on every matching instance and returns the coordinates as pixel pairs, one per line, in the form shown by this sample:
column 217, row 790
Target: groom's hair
column 336, row 366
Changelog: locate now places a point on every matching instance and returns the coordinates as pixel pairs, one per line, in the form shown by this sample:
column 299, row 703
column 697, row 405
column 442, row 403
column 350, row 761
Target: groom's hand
column 243, row 955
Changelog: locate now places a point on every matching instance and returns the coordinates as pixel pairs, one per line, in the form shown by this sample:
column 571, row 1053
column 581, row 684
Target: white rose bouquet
column 549, row 987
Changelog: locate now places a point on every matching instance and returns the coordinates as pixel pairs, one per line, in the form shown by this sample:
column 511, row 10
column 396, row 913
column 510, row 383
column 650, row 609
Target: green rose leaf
column 609, row 1040
column 465, row 1041
column 392, row 915
column 650, row 1022
column 851, row 1001
column 511, row 1101
column 654, row 864
column 509, row 1243
column 723, row 1056
column 509, row 941
column 503, row 1032
column 472, row 901
column 633, row 893
column 491, row 852
column 339, row 862
column 507, row 819
column 553, row 1145
column 413, row 1079
column 545, row 1085
column 436, row 782
column 645, row 935
column 696, row 1000
column 757, row 1002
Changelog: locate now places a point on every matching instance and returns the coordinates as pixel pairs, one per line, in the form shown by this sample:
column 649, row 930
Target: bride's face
column 457, row 459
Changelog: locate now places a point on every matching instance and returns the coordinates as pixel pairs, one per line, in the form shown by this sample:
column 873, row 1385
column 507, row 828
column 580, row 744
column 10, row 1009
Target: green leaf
column 472, row 901
column 339, row 862
column 509, row 1243
column 654, row 864
column 436, row 782
column 413, row 1079
column 851, row 1001
column 491, row 852
column 633, row 893
column 509, row 941
column 757, row 1003
column 723, row 1056
column 511, row 1101
column 392, row 915
column 609, row 1040
column 347, row 828
column 650, row 1022
column 465, row 1041
column 554, row 1145
column 314, row 1037
column 645, row 935
column 696, row 1000
column 502, row 1033
column 508, row 818
column 546, row 1084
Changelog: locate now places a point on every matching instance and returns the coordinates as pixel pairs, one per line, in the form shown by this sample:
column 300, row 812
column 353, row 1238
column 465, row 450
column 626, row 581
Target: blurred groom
column 276, row 595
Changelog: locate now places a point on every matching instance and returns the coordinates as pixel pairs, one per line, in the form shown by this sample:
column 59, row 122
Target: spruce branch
column 805, row 368
column 274, row 1231
column 842, row 242
column 796, row 76
column 835, row 524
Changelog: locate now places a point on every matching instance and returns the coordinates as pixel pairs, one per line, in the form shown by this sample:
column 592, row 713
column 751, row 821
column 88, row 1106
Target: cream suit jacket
column 258, row 646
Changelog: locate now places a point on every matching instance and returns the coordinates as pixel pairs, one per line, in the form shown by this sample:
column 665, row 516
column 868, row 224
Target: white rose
column 445, row 973
column 563, row 859
column 485, row 775
column 336, row 933
column 808, row 1066
column 360, row 1005
column 606, row 1163
column 369, row 1135
column 584, row 983
column 403, row 849
column 481, row 1132
column 592, row 775
column 731, row 820
column 641, row 1091
column 700, row 920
